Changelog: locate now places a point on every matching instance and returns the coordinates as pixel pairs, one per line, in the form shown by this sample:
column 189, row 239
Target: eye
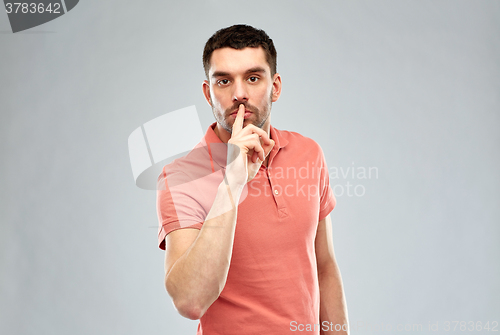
column 222, row 82
column 253, row 79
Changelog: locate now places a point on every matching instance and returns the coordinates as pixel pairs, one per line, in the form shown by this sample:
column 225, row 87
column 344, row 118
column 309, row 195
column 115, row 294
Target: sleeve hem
column 165, row 230
column 327, row 210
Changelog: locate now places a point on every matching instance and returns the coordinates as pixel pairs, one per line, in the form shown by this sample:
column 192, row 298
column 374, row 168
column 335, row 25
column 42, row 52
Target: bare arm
column 333, row 308
column 197, row 262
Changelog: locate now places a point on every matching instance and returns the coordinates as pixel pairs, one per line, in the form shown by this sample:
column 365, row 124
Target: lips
column 246, row 116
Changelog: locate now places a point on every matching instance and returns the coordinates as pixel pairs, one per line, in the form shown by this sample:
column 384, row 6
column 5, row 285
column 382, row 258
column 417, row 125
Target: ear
column 206, row 91
column 276, row 92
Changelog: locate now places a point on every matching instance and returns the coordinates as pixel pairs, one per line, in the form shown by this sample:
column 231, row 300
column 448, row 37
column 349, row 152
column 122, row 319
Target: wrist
column 232, row 188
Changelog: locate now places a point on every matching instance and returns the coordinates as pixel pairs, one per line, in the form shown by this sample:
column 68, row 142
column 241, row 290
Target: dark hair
column 240, row 36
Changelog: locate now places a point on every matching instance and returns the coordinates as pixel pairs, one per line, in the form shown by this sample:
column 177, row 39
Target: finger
column 252, row 129
column 238, row 122
column 267, row 151
column 255, row 157
column 252, row 142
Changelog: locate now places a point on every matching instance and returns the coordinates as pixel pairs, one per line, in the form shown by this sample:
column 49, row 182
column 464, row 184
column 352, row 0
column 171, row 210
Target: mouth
column 246, row 116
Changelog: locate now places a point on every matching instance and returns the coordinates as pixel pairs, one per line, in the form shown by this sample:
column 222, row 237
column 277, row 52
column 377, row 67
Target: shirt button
column 276, row 192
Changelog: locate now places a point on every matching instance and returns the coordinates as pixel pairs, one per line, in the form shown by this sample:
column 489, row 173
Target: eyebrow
column 220, row 74
column 256, row 69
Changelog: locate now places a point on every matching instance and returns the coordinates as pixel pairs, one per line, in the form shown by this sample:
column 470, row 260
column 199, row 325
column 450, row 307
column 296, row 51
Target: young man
column 245, row 215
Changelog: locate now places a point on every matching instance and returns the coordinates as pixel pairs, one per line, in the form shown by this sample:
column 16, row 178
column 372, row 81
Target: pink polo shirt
column 272, row 279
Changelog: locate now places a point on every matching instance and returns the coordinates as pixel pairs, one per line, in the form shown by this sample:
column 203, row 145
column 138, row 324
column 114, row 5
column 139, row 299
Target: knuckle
column 253, row 128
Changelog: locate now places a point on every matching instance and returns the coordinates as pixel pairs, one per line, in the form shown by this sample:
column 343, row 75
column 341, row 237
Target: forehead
column 236, row 61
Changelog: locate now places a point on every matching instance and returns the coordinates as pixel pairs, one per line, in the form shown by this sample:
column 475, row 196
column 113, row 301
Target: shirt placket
column 277, row 191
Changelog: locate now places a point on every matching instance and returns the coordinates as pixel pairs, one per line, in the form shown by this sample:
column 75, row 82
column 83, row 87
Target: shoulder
column 296, row 139
column 187, row 168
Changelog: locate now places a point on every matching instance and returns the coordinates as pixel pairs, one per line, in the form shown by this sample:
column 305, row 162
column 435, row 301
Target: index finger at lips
column 238, row 121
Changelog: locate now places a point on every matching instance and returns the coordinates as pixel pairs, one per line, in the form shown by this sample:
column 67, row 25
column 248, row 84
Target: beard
column 258, row 117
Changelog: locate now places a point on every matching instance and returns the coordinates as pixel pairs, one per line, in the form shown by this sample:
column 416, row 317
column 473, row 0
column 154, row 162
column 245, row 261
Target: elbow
column 186, row 307
column 189, row 311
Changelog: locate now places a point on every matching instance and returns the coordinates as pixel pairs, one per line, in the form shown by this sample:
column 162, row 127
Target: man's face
column 241, row 77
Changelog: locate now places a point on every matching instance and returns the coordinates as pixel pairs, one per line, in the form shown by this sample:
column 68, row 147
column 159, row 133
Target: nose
column 240, row 92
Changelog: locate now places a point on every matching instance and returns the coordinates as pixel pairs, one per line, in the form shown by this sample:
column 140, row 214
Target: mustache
column 234, row 108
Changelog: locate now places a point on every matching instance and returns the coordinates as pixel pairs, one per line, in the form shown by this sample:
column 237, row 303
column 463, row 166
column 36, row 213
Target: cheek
column 216, row 103
column 215, row 100
column 264, row 95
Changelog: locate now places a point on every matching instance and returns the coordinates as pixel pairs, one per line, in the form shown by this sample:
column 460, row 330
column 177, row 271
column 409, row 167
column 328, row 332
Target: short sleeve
column 175, row 205
column 327, row 198
column 185, row 194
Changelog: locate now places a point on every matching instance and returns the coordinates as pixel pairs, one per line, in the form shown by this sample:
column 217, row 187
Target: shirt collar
column 218, row 149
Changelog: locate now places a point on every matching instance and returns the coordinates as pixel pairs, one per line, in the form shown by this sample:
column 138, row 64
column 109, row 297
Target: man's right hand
column 248, row 148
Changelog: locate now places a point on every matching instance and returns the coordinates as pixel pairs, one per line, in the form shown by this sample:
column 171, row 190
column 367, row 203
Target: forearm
column 196, row 279
column 333, row 308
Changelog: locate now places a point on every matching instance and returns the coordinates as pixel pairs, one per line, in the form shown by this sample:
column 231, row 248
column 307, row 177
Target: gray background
column 409, row 87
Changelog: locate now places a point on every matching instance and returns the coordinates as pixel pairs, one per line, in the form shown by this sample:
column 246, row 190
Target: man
column 245, row 216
